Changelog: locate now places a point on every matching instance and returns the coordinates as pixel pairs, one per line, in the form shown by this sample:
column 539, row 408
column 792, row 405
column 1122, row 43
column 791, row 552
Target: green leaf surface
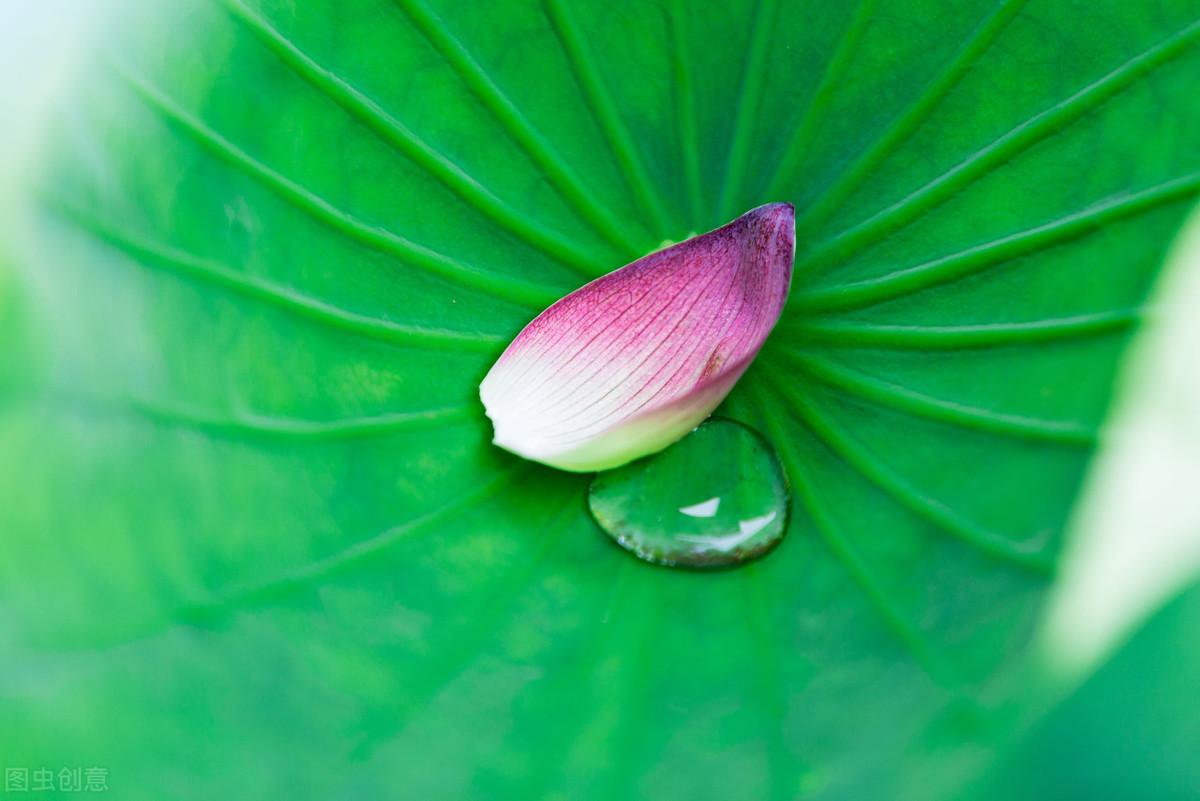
column 255, row 539
column 1128, row 733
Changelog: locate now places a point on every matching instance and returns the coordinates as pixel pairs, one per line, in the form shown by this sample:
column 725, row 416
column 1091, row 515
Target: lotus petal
column 636, row 359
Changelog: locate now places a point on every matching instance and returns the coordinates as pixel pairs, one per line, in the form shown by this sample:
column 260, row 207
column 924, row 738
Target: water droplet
column 717, row 498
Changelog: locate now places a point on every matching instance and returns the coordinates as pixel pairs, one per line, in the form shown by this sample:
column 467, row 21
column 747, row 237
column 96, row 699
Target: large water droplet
column 717, row 498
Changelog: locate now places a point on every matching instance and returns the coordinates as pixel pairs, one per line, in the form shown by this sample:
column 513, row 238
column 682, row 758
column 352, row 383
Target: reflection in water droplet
column 703, row 509
column 716, row 498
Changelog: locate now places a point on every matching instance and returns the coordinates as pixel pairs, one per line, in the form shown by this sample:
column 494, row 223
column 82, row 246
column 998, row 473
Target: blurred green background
column 256, row 257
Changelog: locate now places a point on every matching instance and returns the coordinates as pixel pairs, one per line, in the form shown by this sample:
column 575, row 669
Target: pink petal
column 631, row 362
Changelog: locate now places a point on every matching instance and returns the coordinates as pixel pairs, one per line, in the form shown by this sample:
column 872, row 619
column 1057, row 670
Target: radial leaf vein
column 154, row 255
column 614, row 620
column 856, row 294
column 747, row 108
column 557, row 170
column 842, row 245
column 785, row 174
column 956, row 337
column 769, row 682
column 1028, row 556
column 202, row 613
column 915, row 114
column 416, row 149
column 484, row 621
column 321, row 210
column 894, row 618
column 314, row 572
column 244, row 425
column 689, row 135
column 604, row 109
column 939, row 410
column 639, row 665
column 251, row 424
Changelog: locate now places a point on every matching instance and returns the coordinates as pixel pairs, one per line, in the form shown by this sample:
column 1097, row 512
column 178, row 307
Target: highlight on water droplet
column 703, row 509
column 717, row 498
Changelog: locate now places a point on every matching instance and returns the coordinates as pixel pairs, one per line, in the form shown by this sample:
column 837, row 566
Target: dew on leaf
column 717, row 498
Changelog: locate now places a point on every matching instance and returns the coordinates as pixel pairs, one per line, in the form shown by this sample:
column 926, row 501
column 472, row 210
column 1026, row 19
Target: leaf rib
column 408, row 143
column 247, row 425
column 747, row 107
column 944, row 411
column 153, row 255
column 902, row 629
column 522, row 131
column 608, row 626
column 940, row 515
column 794, row 152
column 604, row 110
column 842, row 245
column 899, row 283
column 485, row 619
column 204, row 612
column 257, row 425
column 309, row 574
column 633, row 753
column 912, row 117
column 319, row 209
column 782, row 766
column 961, row 337
column 689, row 136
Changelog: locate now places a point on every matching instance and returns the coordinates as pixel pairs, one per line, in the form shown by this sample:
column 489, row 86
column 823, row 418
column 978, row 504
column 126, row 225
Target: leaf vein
column 944, row 411
column 1026, row 556
column 794, row 152
column 309, row 574
column 150, row 254
column 420, row 152
column 944, row 269
column 321, row 210
column 522, row 131
column 902, row 629
column 1042, row 125
column 747, row 107
column 605, row 112
column 689, row 136
column 912, row 117
column 981, row 335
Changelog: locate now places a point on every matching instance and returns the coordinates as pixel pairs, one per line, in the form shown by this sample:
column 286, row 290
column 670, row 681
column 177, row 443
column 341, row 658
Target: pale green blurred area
column 1130, row 732
column 37, row 40
column 37, row 43
column 1118, row 717
column 1136, row 531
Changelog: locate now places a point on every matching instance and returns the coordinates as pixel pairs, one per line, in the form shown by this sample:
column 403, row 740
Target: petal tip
column 780, row 215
